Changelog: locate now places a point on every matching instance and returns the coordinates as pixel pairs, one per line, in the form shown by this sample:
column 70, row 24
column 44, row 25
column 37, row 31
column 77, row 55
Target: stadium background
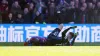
column 50, row 12
column 29, row 12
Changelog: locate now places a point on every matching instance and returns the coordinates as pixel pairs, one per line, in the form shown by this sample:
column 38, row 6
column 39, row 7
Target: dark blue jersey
column 54, row 33
column 53, row 37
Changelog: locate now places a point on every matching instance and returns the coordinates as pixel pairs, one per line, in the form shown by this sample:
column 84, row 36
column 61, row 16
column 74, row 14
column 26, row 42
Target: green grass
column 22, row 44
column 11, row 44
column 87, row 44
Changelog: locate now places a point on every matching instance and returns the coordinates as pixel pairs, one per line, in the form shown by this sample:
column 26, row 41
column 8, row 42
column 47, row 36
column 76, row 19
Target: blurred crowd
column 50, row 11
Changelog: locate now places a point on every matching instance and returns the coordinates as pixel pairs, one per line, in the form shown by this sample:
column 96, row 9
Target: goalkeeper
column 53, row 38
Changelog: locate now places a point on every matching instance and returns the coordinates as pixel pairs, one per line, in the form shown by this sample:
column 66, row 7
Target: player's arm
column 54, row 33
column 66, row 30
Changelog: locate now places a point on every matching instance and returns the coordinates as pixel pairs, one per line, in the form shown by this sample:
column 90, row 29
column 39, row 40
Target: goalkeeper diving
column 53, row 39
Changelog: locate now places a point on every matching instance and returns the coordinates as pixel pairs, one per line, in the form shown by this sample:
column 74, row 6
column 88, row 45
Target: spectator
column 52, row 13
column 70, row 12
column 46, row 2
column 52, row 1
column 76, row 3
column 10, row 2
column 19, row 19
column 4, row 9
column 84, row 5
column 95, row 12
column 10, row 19
column 27, row 17
column 31, row 6
column 98, row 13
column 0, row 18
column 41, row 8
column 81, row 2
column 5, row 16
column 38, row 19
column 4, row 1
column 77, row 12
column 61, row 11
column 90, row 13
column 83, row 14
column 22, row 3
column 16, row 8
column 32, row 11
column 94, row 2
column 3, row 6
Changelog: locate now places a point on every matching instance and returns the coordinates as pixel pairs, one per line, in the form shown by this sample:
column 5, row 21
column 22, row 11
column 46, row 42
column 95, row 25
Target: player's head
column 60, row 26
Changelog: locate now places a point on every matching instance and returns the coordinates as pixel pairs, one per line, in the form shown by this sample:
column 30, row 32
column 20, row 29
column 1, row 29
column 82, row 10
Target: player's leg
column 54, row 41
column 64, row 33
column 58, row 40
column 72, row 41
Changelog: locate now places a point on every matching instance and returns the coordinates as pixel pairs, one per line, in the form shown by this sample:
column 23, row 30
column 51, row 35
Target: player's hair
column 60, row 26
column 60, row 23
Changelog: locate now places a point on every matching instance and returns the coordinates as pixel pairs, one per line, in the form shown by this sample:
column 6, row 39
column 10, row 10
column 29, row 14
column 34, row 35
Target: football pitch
column 79, row 49
column 50, row 51
column 22, row 44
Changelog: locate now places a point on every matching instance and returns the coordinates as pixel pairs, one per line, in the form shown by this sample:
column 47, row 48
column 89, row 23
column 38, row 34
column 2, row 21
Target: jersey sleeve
column 55, row 33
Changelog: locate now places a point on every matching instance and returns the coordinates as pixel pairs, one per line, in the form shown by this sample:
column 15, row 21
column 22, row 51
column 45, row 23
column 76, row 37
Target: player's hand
column 74, row 27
